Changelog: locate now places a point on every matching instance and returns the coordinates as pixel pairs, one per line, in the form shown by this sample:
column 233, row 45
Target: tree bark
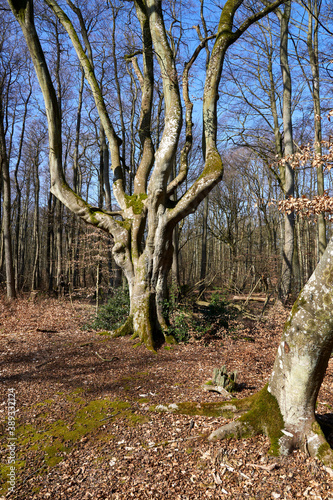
column 285, row 409
column 288, row 247
column 4, row 171
column 312, row 44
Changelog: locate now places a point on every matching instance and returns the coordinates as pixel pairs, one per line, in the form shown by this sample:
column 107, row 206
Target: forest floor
column 87, row 426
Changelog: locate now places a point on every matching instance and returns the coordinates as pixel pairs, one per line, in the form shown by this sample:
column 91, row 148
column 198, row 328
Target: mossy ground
column 120, row 456
column 48, row 442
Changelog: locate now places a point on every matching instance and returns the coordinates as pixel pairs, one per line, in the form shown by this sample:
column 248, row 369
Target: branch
column 210, row 177
column 270, row 7
column 188, row 118
column 166, row 152
column 146, row 81
column 114, row 141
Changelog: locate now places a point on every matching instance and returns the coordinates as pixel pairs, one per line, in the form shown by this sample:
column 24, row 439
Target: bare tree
column 145, row 259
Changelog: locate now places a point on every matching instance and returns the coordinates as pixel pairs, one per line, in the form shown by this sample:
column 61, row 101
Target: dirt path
column 87, row 425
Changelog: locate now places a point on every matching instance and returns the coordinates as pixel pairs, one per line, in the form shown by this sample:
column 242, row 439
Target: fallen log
column 253, row 298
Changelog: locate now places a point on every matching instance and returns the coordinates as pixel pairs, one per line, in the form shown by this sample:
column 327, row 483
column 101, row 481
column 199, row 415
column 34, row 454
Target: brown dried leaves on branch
column 307, row 156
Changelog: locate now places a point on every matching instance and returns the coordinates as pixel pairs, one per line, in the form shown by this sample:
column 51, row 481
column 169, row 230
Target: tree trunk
column 312, row 43
column 203, row 263
column 4, row 171
column 288, row 248
column 285, row 409
column 148, row 293
column 302, row 359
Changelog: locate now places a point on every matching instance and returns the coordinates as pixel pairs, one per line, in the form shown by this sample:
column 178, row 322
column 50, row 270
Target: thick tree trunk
column 148, row 295
column 285, row 409
column 302, row 360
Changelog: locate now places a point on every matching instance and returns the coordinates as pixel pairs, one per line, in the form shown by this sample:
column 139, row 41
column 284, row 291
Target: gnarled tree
column 143, row 226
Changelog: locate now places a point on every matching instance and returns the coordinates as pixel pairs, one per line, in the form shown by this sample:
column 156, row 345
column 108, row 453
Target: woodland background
column 235, row 239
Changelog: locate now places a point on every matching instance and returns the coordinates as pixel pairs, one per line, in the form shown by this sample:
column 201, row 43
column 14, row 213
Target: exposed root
column 125, row 329
column 261, row 416
column 169, row 339
column 235, row 429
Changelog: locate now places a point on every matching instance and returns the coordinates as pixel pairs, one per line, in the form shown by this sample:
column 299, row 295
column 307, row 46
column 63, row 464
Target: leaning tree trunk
column 285, row 409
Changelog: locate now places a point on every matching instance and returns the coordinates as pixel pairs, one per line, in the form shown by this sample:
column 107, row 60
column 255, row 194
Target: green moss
column 120, row 405
column 125, row 329
column 126, row 223
column 60, row 437
column 47, row 402
column 213, row 164
column 135, row 202
column 325, row 454
column 20, row 465
column 105, row 437
column 317, row 429
column 264, row 416
column 78, row 390
column 134, row 418
column 143, row 400
column 300, row 302
column 107, row 334
column 82, row 419
column 54, row 452
column 327, row 299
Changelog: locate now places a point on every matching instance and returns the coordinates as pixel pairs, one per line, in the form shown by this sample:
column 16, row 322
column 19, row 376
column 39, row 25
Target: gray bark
column 4, row 171
column 312, row 44
column 288, row 246
column 302, row 359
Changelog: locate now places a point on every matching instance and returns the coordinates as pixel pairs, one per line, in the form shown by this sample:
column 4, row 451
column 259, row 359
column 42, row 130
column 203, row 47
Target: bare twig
column 110, row 416
column 44, row 330
column 103, row 359
column 268, row 468
column 33, row 473
column 44, row 363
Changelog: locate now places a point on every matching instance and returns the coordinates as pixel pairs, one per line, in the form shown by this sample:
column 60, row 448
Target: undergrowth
column 192, row 321
column 113, row 314
column 187, row 319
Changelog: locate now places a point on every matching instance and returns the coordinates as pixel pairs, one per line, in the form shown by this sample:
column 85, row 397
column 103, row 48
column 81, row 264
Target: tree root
column 235, row 429
column 125, row 329
column 128, row 329
column 169, row 339
column 263, row 416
